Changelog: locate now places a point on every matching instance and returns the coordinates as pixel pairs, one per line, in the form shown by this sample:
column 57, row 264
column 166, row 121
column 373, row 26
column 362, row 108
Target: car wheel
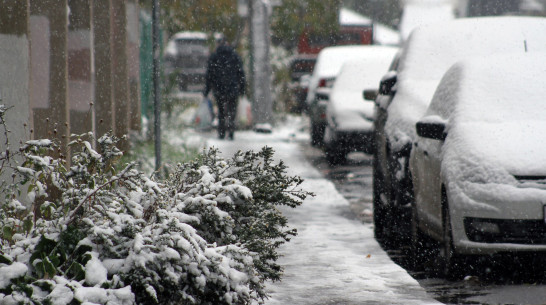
column 379, row 213
column 401, row 198
column 450, row 261
column 335, row 156
column 317, row 134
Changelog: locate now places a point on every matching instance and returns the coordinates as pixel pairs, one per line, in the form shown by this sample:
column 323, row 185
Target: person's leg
column 221, row 117
column 231, row 114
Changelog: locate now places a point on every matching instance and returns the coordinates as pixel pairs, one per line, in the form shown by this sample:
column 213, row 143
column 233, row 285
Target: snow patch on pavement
column 333, row 260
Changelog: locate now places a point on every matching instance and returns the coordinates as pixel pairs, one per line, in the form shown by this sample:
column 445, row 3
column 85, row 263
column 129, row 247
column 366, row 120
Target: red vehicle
column 312, row 42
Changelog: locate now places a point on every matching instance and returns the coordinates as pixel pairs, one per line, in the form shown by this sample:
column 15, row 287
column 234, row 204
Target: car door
column 425, row 166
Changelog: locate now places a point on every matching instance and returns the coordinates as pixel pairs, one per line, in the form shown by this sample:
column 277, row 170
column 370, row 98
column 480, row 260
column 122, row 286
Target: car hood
column 486, row 164
column 350, row 111
column 517, row 147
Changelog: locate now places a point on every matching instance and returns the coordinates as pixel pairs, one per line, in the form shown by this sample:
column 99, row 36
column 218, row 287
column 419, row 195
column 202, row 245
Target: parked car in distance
column 185, row 58
column 479, row 162
column 349, row 116
column 301, row 68
column 329, row 62
column 312, row 41
column 406, row 93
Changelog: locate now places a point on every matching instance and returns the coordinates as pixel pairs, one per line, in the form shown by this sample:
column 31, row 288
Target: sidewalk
column 333, row 260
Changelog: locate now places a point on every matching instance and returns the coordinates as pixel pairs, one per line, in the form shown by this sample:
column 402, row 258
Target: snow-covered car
column 185, row 57
column 329, row 62
column 406, row 93
column 349, row 116
column 301, row 67
column 479, row 163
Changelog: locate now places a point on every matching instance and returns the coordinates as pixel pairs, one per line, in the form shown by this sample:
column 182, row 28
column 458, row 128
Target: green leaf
column 40, row 269
column 54, row 259
column 5, row 260
column 76, row 271
column 49, row 268
column 27, row 224
column 7, row 233
column 43, row 248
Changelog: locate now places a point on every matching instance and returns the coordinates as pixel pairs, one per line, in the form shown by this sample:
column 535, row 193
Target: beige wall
column 69, row 66
column 49, row 71
column 80, row 82
column 14, row 70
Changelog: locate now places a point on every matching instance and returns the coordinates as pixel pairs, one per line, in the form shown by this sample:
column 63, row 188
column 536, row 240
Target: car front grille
column 507, row 231
column 532, row 181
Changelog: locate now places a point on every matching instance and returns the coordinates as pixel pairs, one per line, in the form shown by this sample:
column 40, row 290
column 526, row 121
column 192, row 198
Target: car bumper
column 317, row 112
column 351, row 140
column 510, row 225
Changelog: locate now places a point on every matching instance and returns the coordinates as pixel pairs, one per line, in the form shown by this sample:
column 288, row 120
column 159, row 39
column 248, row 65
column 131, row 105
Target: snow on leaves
column 208, row 234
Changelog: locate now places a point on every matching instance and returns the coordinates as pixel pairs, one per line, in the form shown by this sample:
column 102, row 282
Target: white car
column 349, row 116
column 185, row 58
column 329, row 62
column 479, row 163
column 406, row 93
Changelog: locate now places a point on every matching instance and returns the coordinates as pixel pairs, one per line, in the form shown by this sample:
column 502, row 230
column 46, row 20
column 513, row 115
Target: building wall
column 49, row 71
column 14, row 71
column 69, row 66
column 80, row 66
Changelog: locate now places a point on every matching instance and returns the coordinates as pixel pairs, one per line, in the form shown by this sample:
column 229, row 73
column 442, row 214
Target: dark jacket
column 225, row 75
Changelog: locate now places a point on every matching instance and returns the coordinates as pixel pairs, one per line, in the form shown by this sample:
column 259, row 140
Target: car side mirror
column 431, row 130
column 386, row 86
column 370, row 94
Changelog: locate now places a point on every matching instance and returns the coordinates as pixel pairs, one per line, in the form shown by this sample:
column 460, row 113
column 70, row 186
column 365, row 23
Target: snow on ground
column 334, row 259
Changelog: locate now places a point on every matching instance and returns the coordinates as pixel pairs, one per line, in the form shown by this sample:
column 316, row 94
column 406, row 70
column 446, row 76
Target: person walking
column 226, row 78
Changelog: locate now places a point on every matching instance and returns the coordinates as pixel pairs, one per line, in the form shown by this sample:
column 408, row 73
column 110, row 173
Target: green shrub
column 86, row 232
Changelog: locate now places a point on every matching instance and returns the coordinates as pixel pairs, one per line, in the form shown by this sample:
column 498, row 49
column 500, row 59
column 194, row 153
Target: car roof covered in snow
column 190, row 35
column 431, row 50
column 366, row 72
column 494, row 89
column 329, row 62
column 347, row 103
column 330, row 59
column 494, row 108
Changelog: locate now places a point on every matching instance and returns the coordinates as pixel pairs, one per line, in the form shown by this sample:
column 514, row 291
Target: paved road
column 499, row 280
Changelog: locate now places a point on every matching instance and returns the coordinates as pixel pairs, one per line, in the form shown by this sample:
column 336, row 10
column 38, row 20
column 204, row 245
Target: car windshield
column 191, row 45
column 301, row 67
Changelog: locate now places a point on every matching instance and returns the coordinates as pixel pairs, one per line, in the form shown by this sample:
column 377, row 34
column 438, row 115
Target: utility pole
column 260, row 69
column 157, row 97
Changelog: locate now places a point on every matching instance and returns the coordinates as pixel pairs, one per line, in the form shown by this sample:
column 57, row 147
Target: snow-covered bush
column 80, row 232
column 235, row 202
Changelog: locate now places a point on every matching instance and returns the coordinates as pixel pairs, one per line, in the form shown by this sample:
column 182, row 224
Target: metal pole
column 262, row 110
column 157, row 99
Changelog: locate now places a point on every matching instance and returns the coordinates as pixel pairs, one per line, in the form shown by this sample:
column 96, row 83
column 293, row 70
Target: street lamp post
column 156, row 90
column 260, row 70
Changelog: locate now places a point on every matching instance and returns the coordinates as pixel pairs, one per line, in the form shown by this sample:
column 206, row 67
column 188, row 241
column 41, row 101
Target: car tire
column 335, row 156
column 317, row 134
column 379, row 211
column 450, row 262
column 401, row 198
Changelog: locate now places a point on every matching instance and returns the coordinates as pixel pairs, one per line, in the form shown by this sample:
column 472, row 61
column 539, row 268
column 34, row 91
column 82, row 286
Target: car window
column 191, row 45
